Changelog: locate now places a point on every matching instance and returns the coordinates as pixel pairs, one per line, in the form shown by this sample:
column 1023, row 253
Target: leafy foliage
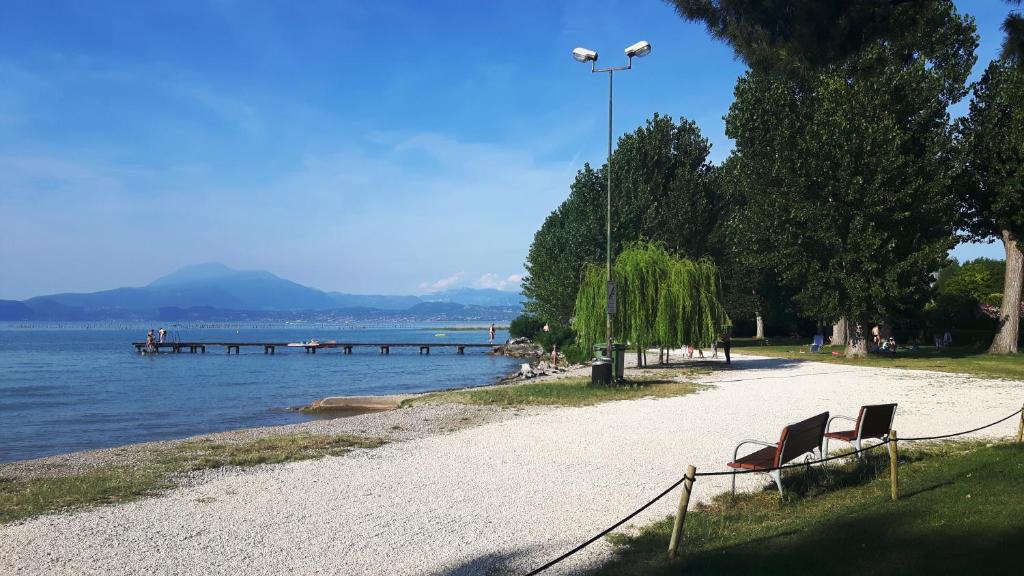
column 992, row 135
column 992, row 138
column 980, row 280
column 525, row 326
column 845, row 175
column 801, row 37
column 664, row 190
column 662, row 299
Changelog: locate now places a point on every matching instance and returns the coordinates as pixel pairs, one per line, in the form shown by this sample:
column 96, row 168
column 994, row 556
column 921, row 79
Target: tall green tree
column 663, row 189
column 992, row 136
column 846, row 173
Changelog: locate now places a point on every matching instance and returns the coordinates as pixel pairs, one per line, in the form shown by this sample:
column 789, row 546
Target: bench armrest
column 829, row 425
column 736, row 452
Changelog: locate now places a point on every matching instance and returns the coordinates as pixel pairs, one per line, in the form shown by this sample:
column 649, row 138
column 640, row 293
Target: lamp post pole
column 640, row 49
column 608, row 222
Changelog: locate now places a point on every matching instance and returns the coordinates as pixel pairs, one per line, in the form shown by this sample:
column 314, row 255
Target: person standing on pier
column 490, row 334
column 163, row 334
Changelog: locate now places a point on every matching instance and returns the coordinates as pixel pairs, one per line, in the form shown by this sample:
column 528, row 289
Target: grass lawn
column 960, row 512
column 21, row 499
column 569, row 391
column 967, row 360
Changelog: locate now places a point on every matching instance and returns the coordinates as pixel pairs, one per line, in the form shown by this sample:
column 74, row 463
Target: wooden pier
column 271, row 347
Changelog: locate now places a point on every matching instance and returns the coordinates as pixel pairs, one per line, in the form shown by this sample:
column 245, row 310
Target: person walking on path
column 726, row 345
column 490, row 334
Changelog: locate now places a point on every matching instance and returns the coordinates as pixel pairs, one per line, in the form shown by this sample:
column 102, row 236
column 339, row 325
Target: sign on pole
column 612, row 298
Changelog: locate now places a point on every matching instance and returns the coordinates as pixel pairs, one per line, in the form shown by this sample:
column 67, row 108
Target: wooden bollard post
column 684, row 503
column 893, row 471
column 1020, row 427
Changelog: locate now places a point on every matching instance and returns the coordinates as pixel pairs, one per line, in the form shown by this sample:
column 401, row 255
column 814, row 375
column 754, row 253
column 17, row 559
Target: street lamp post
column 638, row 50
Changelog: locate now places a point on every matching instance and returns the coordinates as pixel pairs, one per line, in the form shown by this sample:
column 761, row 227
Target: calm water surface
column 68, row 389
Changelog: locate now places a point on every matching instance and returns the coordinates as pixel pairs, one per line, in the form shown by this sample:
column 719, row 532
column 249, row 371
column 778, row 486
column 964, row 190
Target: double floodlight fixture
column 638, row 50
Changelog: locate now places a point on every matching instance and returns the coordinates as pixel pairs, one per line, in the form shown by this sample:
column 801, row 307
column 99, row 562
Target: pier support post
column 202, row 349
column 460, row 350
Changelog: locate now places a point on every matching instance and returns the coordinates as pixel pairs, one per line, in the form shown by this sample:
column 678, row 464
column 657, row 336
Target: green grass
column 961, row 360
column 20, row 499
column 960, row 512
column 569, row 391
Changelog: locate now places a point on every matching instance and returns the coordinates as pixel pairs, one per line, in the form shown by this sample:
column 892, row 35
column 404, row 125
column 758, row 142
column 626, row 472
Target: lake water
column 64, row 389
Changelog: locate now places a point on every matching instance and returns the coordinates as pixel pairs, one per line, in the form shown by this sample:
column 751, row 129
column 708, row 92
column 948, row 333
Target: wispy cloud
column 442, row 284
column 492, row 280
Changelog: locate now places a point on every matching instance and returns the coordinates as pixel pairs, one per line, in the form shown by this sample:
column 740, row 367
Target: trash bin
column 601, row 371
column 619, row 361
column 618, row 358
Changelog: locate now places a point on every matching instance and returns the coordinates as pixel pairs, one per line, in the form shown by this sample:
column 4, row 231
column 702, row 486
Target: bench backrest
column 801, row 437
column 819, row 340
column 875, row 420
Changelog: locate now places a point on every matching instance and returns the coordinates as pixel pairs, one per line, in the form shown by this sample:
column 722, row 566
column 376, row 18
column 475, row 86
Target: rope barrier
column 961, row 433
column 606, row 531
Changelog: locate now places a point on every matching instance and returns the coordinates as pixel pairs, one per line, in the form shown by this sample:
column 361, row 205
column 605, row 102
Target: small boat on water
column 310, row 342
column 440, row 335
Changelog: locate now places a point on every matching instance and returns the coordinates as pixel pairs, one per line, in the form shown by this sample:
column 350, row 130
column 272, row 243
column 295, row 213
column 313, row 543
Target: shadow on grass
column 851, row 527
column 877, row 543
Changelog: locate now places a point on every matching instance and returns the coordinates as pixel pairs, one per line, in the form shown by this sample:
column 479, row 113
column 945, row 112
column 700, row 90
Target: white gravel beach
column 501, row 497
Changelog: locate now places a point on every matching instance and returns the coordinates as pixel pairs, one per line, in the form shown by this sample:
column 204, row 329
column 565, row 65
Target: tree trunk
column 1005, row 341
column 760, row 326
column 858, row 337
column 839, row 332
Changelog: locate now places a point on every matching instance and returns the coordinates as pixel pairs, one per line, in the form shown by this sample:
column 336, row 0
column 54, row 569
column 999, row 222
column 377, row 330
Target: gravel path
column 502, row 497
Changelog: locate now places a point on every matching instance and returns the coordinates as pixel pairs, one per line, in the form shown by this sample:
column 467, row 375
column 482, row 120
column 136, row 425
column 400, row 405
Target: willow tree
column 663, row 300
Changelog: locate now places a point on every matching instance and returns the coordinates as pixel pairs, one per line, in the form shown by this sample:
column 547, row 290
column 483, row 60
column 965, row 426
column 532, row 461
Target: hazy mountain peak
column 206, row 272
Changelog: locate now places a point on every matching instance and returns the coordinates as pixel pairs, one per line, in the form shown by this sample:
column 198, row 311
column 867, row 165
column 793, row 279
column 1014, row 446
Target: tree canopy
column 663, row 189
column 798, row 37
column 845, row 175
column 662, row 299
column 992, row 193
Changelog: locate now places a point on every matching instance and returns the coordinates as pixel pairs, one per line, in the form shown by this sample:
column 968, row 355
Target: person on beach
column 490, row 333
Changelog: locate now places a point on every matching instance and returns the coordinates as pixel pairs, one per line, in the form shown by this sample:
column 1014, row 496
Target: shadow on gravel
column 493, row 564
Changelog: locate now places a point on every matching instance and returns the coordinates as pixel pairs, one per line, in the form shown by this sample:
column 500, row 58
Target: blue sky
column 384, row 147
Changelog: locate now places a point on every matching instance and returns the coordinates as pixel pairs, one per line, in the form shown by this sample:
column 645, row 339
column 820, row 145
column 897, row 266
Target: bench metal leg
column 777, row 476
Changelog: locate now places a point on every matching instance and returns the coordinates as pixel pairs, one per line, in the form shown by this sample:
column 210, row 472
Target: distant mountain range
column 215, row 292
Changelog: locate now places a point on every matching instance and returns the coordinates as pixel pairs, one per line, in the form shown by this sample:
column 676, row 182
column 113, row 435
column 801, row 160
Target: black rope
column 748, row 471
column 607, row 530
column 962, row 433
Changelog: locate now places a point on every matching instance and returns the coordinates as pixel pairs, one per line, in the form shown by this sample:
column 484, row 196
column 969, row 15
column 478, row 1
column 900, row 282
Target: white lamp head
column 639, row 50
column 583, row 55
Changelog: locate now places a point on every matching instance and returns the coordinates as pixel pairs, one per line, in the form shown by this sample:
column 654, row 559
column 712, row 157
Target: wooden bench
column 796, row 439
column 873, row 421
